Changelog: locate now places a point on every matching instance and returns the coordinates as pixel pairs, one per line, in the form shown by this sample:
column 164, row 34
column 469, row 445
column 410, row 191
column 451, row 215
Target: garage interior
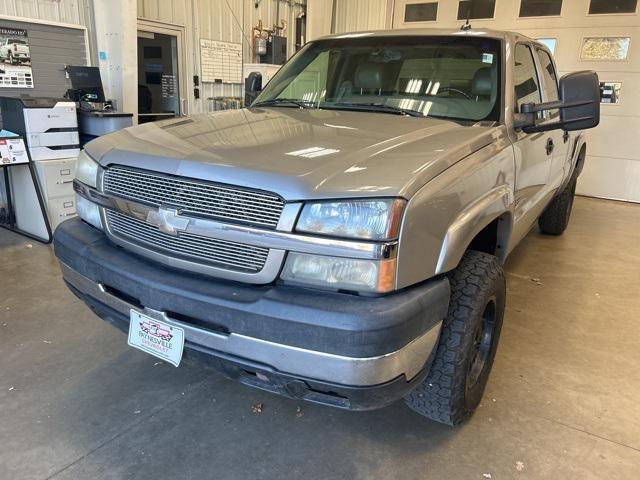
column 77, row 402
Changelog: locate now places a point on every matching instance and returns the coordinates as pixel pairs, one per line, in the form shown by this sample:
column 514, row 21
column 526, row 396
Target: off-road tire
column 450, row 392
column 555, row 219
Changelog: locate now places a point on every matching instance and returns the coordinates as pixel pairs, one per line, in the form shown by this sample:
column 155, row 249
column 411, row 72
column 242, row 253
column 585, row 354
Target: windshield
column 444, row 77
column 17, row 41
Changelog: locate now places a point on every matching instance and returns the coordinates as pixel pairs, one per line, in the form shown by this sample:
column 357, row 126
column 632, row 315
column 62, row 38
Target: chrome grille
column 227, row 255
column 194, row 197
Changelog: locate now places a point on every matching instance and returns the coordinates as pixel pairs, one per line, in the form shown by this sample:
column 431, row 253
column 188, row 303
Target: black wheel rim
column 482, row 344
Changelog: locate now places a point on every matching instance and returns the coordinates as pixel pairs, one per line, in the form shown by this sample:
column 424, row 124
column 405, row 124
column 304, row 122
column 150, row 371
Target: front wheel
column 468, row 342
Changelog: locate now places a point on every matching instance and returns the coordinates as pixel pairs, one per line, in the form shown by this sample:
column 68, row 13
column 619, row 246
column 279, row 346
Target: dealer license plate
column 155, row 337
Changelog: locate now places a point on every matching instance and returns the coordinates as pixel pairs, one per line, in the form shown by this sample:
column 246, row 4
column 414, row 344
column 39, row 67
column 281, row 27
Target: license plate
column 155, row 337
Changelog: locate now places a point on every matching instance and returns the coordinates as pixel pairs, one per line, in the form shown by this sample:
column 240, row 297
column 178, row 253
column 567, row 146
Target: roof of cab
column 421, row 32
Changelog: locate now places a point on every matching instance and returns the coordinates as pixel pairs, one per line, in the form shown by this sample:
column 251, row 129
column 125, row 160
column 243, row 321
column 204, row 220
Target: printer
column 48, row 125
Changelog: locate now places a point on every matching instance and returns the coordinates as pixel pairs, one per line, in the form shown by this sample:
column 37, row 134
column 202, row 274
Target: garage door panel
column 613, row 137
column 612, row 178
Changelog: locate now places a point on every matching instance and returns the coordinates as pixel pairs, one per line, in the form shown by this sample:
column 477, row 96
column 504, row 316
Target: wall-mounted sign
column 220, row 61
column 12, row 151
column 169, row 84
column 15, row 58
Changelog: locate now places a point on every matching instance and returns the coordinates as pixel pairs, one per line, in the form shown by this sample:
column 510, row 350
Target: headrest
column 369, row 76
column 482, row 85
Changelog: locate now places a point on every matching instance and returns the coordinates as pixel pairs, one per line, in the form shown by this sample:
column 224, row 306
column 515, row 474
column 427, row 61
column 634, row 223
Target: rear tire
column 555, row 219
column 468, row 342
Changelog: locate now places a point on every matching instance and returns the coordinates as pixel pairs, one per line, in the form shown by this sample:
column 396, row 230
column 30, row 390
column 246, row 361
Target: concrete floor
column 562, row 401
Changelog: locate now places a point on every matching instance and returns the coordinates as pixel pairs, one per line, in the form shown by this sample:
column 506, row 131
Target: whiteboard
column 220, row 61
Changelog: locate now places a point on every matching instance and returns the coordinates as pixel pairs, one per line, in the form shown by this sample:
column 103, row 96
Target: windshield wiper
column 374, row 107
column 285, row 102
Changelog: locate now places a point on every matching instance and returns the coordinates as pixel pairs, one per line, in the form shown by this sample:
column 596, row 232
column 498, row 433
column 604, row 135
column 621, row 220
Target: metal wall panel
column 62, row 11
column 218, row 20
column 52, row 48
column 355, row 15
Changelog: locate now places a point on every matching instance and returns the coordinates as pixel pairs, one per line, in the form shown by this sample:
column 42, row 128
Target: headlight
column 88, row 211
column 87, row 170
column 363, row 219
column 340, row 273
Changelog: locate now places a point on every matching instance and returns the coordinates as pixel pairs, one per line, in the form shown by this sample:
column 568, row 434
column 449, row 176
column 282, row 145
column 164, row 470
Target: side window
column 548, row 72
column 526, row 78
column 549, row 75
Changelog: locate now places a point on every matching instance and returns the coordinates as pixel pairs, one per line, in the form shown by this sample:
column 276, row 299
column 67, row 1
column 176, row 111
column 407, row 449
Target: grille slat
column 264, row 205
column 136, row 174
column 215, row 210
column 193, row 196
column 228, row 255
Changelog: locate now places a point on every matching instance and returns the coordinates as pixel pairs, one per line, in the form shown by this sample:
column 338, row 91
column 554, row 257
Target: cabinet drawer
column 57, row 177
column 61, row 209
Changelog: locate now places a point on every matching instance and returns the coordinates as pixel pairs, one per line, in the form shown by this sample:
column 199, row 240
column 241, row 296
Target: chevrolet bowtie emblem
column 168, row 220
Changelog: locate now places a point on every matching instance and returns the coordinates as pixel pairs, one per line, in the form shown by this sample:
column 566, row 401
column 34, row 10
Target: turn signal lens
column 88, row 211
column 336, row 273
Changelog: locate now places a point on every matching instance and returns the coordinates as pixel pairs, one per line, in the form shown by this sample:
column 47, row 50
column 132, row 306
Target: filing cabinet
column 56, row 181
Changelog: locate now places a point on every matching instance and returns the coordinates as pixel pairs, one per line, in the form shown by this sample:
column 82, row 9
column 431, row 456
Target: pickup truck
column 342, row 239
column 15, row 51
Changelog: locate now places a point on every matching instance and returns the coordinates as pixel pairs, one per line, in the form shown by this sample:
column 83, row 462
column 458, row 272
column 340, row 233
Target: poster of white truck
column 15, row 58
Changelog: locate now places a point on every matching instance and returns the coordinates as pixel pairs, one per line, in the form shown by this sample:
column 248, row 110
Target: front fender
column 445, row 215
column 475, row 217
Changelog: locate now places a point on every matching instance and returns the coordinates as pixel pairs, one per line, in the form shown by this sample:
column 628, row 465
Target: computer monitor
column 86, row 81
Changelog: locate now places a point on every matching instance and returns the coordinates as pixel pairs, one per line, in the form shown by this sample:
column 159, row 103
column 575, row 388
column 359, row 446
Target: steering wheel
column 454, row 90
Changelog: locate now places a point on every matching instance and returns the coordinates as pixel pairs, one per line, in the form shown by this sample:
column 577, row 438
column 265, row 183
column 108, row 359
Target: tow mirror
column 579, row 105
column 252, row 87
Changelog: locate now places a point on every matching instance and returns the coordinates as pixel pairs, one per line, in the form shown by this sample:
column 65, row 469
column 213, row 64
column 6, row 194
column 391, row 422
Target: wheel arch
column 485, row 225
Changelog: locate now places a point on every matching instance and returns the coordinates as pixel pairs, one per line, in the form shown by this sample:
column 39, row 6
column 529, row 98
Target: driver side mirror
column 579, row 105
column 252, row 87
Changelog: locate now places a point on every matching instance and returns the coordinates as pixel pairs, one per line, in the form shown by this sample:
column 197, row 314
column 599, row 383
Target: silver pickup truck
column 342, row 239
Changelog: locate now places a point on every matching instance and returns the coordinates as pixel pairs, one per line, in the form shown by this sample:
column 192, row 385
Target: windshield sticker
column 487, row 58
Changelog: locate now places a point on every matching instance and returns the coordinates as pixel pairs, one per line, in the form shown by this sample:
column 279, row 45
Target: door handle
column 550, row 146
column 565, row 137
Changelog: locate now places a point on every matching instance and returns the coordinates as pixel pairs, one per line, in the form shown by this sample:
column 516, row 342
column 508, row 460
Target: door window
column 605, row 48
column 526, row 78
column 548, row 73
column 158, row 88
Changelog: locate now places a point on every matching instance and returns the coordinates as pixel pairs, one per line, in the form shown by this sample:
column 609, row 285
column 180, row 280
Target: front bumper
column 343, row 350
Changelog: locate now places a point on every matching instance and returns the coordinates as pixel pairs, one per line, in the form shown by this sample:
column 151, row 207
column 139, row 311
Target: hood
column 298, row 153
